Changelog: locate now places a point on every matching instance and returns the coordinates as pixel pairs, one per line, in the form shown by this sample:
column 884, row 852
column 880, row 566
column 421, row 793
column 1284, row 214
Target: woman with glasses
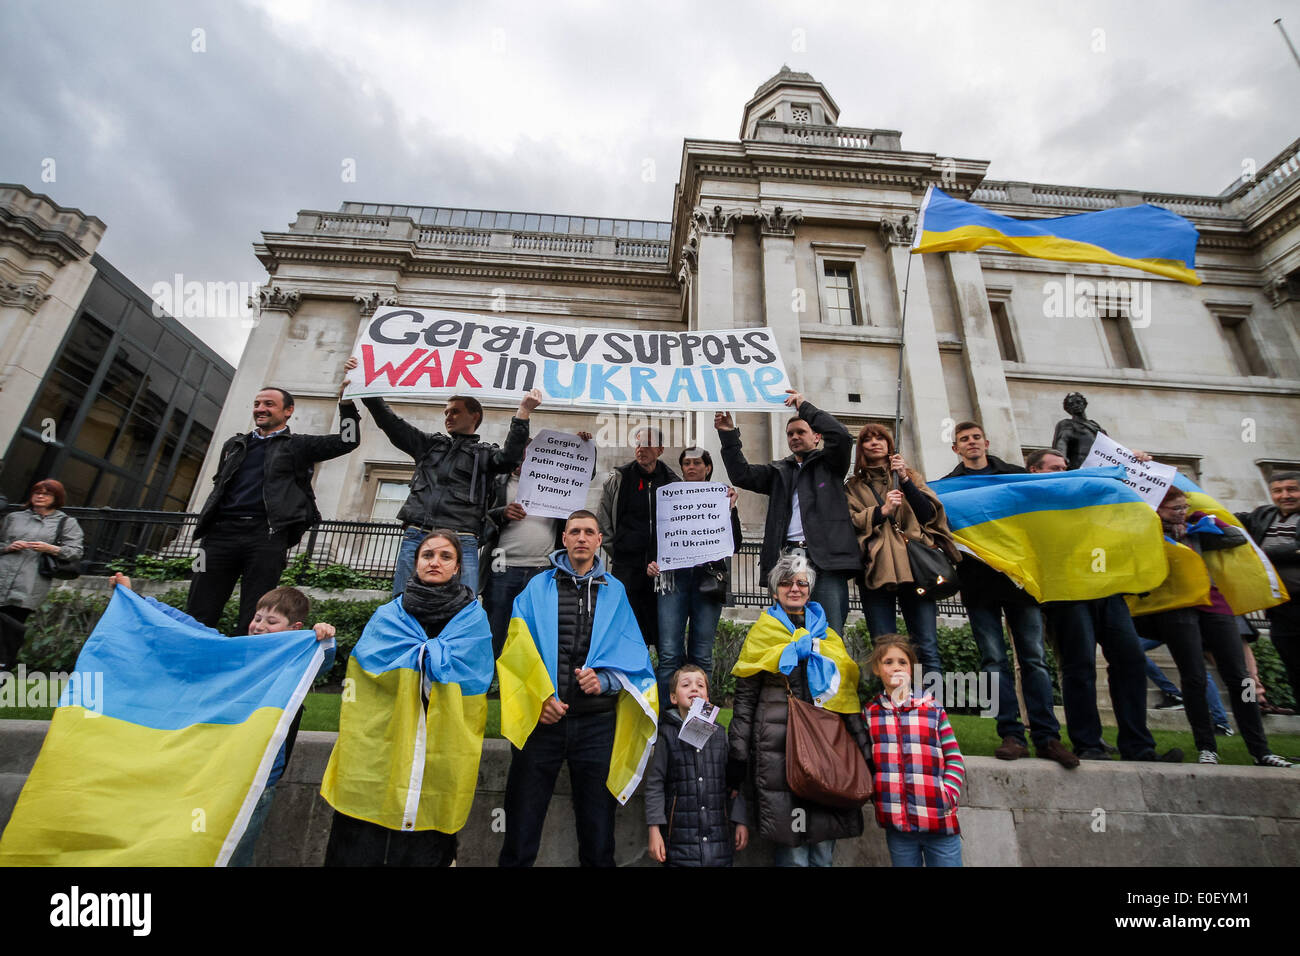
column 886, row 518
column 789, row 650
column 25, row 538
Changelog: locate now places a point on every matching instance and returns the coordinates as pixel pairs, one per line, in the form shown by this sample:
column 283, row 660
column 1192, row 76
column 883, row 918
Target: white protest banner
column 556, row 472
column 1148, row 478
column 693, row 523
column 428, row 352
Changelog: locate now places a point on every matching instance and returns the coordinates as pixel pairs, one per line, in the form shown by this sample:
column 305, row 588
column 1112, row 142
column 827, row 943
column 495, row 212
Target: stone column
column 256, row 366
column 708, row 256
column 776, row 236
column 925, row 394
column 983, row 359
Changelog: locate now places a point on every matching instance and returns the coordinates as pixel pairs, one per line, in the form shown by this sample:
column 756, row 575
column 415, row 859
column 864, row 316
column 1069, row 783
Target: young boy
column 686, row 786
column 280, row 609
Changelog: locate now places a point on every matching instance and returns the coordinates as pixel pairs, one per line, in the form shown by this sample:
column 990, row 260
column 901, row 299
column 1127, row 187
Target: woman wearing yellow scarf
column 790, row 645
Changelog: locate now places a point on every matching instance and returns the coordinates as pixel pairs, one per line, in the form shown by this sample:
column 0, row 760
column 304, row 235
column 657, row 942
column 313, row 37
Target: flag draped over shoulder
column 775, row 646
column 397, row 763
column 162, row 742
column 1063, row 536
column 1244, row 575
column 1187, row 585
column 1143, row 237
column 527, row 672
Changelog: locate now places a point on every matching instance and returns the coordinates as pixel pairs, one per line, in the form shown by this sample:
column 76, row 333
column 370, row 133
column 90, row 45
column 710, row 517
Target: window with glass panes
column 839, row 300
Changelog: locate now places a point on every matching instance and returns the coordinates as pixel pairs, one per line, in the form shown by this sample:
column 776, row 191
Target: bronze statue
column 1074, row 435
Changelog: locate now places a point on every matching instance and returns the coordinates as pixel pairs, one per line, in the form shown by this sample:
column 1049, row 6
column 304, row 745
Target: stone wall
column 1027, row 813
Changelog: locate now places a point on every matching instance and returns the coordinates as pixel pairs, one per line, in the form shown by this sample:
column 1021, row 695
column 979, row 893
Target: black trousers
column 1189, row 634
column 641, row 595
column 236, row 551
column 356, row 842
column 1284, row 632
column 585, row 742
column 13, row 628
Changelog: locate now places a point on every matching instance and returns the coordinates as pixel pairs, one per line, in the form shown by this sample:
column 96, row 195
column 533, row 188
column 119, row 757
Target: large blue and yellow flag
column 162, row 742
column 1244, row 575
column 399, row 763
column 1142, row 237
column 528, row 662
column 775, row 646
column 1188, row 583
column 1063, row 536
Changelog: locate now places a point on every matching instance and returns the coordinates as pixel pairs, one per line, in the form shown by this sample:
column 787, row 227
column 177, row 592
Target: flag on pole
column 1143, row 237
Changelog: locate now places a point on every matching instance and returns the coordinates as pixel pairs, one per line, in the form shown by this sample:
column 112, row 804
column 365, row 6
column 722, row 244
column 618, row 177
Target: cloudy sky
column 191, row 127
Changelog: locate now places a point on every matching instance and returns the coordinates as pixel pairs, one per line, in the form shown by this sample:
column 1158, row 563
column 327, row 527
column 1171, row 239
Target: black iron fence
column 368, row 548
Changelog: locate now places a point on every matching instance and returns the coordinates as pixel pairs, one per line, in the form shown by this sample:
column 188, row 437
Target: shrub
column 1272, row 673
column 150, row 567
column 300, row 572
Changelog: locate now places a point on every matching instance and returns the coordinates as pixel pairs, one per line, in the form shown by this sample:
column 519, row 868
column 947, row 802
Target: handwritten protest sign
column 1148, row 478
column 693, row 523
column 427, row 352
column 555, row 474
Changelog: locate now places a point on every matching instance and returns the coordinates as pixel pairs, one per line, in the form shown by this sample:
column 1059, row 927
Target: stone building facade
column 804, row 226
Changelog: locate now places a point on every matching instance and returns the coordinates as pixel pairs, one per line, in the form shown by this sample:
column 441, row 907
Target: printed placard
column 693, row 523
column 1149, row 479
column 555, row 474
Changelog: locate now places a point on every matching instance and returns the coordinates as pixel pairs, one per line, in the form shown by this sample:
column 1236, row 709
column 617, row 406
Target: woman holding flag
column 402, row 775
column 790, row 651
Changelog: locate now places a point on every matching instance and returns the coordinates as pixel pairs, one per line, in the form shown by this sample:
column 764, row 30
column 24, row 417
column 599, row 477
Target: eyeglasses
column 794, row 584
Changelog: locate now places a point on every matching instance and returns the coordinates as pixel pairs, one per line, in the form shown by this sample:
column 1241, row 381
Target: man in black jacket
column 1274, row 528
column 988, row 594
column 627, row 523
column 261, row 503
column 809, row 513
column 452, row 483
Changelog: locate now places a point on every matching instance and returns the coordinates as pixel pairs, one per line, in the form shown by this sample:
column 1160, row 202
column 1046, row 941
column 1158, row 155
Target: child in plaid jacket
column 918, row 768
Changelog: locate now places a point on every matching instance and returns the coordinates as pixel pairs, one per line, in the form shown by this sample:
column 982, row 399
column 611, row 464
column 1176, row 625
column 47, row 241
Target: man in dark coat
column 261, row 503
column 809, row 514
column 1274, row 528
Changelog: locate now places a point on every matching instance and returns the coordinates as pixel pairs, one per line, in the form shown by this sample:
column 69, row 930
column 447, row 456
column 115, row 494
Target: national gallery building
column 804, row 226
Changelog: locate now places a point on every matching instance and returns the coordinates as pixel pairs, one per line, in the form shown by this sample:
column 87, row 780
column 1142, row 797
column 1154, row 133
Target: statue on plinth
column 1074, row 435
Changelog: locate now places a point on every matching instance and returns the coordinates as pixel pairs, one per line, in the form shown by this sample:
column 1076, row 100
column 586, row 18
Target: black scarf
column 433, row 605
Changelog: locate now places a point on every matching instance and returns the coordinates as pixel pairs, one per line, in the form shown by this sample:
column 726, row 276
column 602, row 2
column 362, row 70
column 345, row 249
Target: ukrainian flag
column 398, row 763
column 1142, row 237
column 527, row 672
column 1188, row 583
column 774, row 645
column 165, row 766
column 1063, row 536
column 1244, row 575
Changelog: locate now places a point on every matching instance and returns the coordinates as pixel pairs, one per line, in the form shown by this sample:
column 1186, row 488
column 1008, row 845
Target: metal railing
column 366, row 547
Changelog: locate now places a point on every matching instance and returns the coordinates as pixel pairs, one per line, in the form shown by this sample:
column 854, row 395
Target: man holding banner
column 809, row 511
column 452, row 481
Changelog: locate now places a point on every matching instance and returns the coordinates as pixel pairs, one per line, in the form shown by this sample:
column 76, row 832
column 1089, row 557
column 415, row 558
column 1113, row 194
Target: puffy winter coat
column 756, row 741
column 686, row 796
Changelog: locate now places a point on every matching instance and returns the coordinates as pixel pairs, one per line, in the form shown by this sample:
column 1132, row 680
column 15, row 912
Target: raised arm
column 757, row 478
column 836, row 440
column 311, row 448
column 404, row 436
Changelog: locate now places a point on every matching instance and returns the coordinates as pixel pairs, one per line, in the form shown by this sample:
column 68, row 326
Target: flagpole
column 902, row 332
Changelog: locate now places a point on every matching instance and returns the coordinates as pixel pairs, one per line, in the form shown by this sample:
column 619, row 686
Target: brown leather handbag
column 822, row 763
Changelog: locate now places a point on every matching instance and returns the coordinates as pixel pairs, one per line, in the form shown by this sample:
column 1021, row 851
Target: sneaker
column 1093, row 755
column 1011, row 749
column 1170, row 701
column 1055, row 750
column 1272, row 760
column 1208, row 756
column 1223, row 730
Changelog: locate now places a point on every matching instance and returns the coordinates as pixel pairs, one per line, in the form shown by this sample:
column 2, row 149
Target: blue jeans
column 1079, row 627
column 921, row 617
column 812, row 854
column 1026, row 623
column 923, row 849
column 499, row 600
column 676, row 646
column 832, row 592
column 1217, row 713
column 243, row 855
column 411, row 539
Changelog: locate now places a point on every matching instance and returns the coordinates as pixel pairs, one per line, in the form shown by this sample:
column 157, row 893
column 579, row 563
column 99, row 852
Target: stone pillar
column 256, row 368
column 708, row 255
column 925, row 394
column 983, row 359
column 776, row 236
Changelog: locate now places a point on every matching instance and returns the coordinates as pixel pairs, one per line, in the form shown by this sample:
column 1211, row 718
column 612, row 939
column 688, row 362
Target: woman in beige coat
column 885, row 518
